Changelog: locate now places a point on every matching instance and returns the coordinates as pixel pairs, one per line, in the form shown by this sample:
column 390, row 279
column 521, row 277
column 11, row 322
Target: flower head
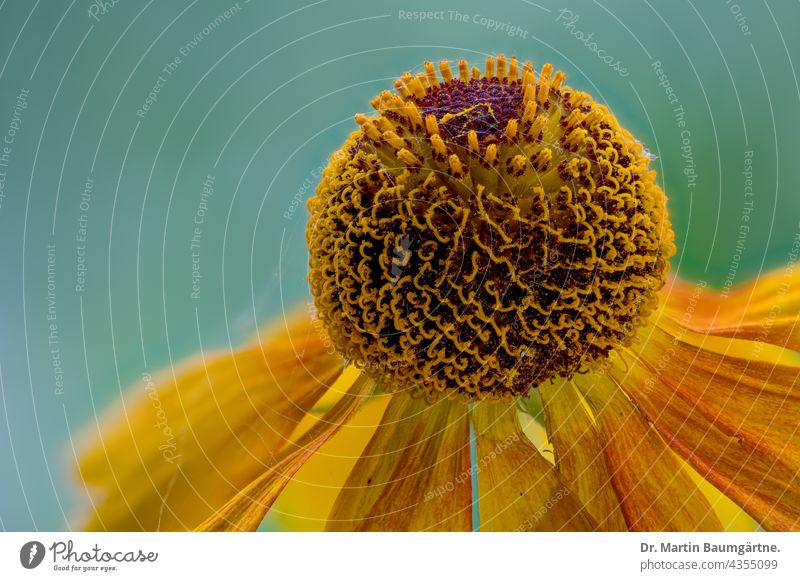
column 480, row 237
column 486, row 233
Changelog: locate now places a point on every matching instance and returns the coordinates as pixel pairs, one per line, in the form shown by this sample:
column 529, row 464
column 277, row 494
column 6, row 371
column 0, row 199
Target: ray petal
column 414, row 474
column 579, row 453
column 655, row 492
column 246, row 510
column 518, row 489
column 183, row 443
column 734, row 419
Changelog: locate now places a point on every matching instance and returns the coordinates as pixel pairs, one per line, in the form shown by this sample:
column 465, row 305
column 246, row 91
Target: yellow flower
column 488, row 254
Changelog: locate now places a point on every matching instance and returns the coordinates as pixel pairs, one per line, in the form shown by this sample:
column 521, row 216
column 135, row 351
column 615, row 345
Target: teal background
column 259, row 103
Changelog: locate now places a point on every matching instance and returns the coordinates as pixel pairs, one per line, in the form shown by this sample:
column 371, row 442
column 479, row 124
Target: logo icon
column 31, row 554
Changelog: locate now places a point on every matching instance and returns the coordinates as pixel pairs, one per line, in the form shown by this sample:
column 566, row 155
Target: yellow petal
column 579, row 453
column 185, row 442
column 246, row 510
column 655, row 493
column 414, row 474
column 306, row 502
column 518, row 489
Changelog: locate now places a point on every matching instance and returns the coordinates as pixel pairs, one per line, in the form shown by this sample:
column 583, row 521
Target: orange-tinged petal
column 783, row 332
column 766, row 309
column 579, row 453
column 246, row 510
column 734, row 419
column 374, row 469
column 754, row 401
column 753, row 298
column 185, row 442
column 767, row 490
column 775, row 291
column 518, row 489
column 414, row 474
column 655, row 493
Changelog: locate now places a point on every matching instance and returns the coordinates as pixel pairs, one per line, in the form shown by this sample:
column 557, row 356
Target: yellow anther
column 393, row 139
column 513, row 69
column 455, row 165
column 416, row 87
column 400, row 87
column 575, row 139
column 501, row 66
column 542, row 158
column 408, row 158
column 537, row 127
column 438, row 144
column 518, row 164
column 430, row 71
column 530, row 112
column 527, row 96
column 511, row 129
column 444, row 68
column 558, row 80
column 472, row 140
column 368, row 127
column 431, row 126
column 491, row 153
column 463, row 70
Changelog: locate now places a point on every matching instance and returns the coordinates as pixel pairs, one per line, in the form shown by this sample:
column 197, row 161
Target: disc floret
column 485, row 232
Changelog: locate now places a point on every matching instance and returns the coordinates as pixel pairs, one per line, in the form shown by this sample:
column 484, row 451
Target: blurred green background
column 259, row 95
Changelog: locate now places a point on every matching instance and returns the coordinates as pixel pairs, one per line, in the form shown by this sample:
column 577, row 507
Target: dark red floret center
column 483, row 105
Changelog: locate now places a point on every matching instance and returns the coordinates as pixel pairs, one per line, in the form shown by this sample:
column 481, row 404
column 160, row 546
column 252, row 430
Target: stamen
column 430, row 125
column 541, row 159
column 575, row 139
column 558, row 80
column 530, row 91
column 416, row 87
column 511, row 129
column 535, row 131
column 513, row 69
column 463, row 70
column 393, row 139
column 400, row 87
column 472, row 139
column 501, row 66
column 530, row 111
column 491, row 154
column 409, row 158
column 438, row 145
column 528, row 77
column 518, row 164
column 430, row 70
column 368, row 127
column 444, row 68
column 456, row 166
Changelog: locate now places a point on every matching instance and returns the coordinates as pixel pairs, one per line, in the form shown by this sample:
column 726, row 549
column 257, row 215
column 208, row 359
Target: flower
column 489, row 251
